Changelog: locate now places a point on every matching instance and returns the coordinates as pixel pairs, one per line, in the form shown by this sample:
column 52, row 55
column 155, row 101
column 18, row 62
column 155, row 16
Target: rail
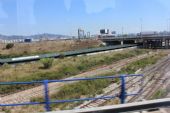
column 47, row 101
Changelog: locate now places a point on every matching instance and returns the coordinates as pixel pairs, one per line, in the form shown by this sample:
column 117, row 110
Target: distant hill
column 36, row 37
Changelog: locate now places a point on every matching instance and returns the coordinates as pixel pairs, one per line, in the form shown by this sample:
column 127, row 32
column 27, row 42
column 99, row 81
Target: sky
column 27, row 17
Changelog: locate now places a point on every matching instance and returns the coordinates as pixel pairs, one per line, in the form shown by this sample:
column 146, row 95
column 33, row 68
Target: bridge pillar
column 144, row 43
column 158, row 44
column 122, row 42
column 166, row 44
column 161, row 43
column 147, row 44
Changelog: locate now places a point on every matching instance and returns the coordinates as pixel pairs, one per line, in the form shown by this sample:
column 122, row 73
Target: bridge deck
column 151, row 41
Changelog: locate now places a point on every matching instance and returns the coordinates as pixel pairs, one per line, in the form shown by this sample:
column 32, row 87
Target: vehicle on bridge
column 147, row 33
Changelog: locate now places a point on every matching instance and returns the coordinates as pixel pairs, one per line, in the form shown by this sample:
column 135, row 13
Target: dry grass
column 17, row 72
column 40, row 108
column 23, row 109
column 62, row 68
column 47, row 47
column 66, row 60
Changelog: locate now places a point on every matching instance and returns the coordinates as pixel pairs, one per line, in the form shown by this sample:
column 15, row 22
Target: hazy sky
column 25, row 17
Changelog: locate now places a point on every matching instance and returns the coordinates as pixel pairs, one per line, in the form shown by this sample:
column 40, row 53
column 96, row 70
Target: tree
column 9, row 46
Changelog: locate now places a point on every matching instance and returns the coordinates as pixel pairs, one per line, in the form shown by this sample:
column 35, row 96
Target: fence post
column 142, row 83
column 46, row 96
column 123, row 89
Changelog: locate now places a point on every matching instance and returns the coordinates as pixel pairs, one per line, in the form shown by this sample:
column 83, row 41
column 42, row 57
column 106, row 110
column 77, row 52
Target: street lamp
column 141, row 26
column 168, row 25
column 122, row 31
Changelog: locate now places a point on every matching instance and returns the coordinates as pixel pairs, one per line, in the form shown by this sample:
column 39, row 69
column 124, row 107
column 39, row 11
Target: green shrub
column 62, row 55
column 47, row 62
column 9, row 46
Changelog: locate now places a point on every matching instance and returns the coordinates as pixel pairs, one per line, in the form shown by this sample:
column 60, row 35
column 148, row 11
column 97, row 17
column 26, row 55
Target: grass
column 62, row 68
column 129, row 69
column 159, row 94
column 24, row 49
column 92, row 88
column 79, row 90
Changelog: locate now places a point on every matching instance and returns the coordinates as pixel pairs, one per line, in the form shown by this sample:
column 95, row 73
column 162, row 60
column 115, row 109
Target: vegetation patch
column 47, row 63
column 92, row 88
column 43, row 47
column 9, row 46
column 159, row 94
column 66, row 68
column 133, row 67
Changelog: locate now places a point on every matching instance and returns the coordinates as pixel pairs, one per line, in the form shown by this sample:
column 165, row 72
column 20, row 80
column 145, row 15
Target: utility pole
column 141, row 27
column 88, row 34
column 122, row 31
column 81, row 34
column 168, row 25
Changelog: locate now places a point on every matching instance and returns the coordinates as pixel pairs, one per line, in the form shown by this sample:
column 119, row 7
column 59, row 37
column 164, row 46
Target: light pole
column 141, row 27
column 122, row 31
column 168, row 25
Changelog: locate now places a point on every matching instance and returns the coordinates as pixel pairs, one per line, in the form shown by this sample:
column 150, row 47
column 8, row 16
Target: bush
column 62, row 55
column 47, row 62
column 9, row 46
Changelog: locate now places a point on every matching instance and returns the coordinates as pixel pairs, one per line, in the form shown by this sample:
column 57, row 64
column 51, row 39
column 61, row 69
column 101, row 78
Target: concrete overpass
column 148, row 41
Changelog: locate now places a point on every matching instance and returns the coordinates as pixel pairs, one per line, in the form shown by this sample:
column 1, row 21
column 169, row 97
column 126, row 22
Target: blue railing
column 123, row 94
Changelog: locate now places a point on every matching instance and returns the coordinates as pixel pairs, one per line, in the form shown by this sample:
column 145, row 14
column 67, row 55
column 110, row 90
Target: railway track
column 113, row 92
column 152, row 84
column 26, row 95
column 130, row 83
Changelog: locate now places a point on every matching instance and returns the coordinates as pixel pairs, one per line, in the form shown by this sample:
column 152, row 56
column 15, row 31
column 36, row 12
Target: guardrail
column 63, row 54
column 47, row 101
column 133, row 37
column 150, row 105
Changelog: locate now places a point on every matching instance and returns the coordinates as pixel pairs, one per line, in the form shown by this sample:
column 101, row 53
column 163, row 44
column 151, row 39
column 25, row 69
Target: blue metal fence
column 47, row 102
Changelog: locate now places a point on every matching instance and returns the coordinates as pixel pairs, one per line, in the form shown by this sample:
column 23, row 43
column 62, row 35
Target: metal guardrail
column 47, row 101
column 63, row 54
column 125, row 108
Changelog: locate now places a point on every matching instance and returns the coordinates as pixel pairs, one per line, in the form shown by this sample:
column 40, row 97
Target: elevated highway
column 147, row 41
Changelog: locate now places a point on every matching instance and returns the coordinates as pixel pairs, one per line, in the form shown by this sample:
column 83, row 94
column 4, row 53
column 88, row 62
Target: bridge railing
column 135, row 36
column 123, row 94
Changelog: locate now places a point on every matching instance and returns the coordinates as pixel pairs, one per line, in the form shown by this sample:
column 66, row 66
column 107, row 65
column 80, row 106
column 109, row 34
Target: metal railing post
column 123, row 89
column 142, row 83
column 46, row 96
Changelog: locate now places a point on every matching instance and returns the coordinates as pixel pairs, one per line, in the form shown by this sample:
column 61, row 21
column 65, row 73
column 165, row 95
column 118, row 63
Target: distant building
column 28, row 40
column 104, row 31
